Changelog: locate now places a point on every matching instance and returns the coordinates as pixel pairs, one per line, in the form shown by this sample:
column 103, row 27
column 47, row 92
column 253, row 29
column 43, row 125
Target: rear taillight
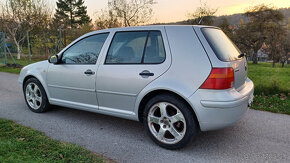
column 219, row 78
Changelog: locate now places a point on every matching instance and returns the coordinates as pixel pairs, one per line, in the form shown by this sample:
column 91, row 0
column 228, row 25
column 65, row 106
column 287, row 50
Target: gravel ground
column 258, row 137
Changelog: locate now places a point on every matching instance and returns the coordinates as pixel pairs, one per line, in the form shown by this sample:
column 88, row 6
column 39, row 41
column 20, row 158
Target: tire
column 35, row 96
column 169, row 122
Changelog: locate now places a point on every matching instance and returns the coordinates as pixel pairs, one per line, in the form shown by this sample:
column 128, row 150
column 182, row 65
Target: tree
column 276, row 39
column 107, row 19
column 286, row 48
column 286, row 45
column 260, row 17
column 74, row 33
column 42, row 38
column 21, row 16
column 203, row 15
column 243, row 38
column 71, row 13
column 131, row 12
column 279, row 41
column 226, row 27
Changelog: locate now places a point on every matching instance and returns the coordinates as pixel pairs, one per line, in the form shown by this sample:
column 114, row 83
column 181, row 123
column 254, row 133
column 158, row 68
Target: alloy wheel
column 166, row 122
column 33, row 96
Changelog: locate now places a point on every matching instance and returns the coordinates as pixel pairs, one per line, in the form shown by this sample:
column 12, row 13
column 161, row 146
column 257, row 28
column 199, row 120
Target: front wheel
column 35, row 96
column 169, row 121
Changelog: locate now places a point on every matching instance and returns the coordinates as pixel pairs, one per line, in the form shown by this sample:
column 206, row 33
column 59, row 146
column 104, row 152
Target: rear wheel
column 35, row 96
column 169, row 121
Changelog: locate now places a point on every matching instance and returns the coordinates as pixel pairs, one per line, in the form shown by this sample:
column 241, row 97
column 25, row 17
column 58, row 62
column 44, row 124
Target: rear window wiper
column 242, row 55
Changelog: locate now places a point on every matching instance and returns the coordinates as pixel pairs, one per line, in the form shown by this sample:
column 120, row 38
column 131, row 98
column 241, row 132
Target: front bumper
column 216, row 109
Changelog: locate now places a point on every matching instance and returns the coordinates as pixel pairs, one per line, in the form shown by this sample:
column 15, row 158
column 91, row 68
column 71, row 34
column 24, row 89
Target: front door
column 134, row 59
column 72, row 81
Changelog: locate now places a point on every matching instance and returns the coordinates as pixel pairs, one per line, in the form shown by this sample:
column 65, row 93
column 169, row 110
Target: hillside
column 235, row 18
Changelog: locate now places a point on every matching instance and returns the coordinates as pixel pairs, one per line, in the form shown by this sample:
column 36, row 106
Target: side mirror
column 53, row 59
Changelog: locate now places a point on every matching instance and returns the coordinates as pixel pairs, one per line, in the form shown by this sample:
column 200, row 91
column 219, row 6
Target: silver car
column 176, row 80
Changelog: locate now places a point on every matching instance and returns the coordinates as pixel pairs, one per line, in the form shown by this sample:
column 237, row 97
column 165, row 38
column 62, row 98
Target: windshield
column 221, row 44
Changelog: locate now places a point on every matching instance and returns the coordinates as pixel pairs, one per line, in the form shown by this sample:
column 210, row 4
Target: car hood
column 37, row 65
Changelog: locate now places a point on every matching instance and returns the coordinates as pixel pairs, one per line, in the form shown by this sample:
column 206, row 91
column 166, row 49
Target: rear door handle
column 146, row 73
column 89, row 72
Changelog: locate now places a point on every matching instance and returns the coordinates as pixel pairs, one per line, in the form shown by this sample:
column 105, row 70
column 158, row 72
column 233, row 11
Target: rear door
column 225, row 53
column 134, row 59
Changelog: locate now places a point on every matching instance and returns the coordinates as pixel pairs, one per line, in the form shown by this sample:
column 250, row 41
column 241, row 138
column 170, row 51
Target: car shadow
column 211, row 142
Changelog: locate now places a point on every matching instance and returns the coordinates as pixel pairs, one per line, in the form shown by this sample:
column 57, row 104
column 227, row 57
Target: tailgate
column 241, row 71
column 227, row 53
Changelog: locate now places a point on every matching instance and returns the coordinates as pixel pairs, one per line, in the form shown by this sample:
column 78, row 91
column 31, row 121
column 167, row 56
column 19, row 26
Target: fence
column 4, row 50
column 3, row 56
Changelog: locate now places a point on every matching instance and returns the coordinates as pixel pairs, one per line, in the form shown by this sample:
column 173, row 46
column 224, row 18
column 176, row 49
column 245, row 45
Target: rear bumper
column 224, row 104
column 216, row 109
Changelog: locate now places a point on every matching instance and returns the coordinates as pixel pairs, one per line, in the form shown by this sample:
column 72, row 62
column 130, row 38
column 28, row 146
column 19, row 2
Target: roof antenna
column 200, row 21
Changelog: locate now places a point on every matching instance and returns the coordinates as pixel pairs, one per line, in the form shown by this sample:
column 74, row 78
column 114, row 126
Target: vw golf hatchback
column 176, row 80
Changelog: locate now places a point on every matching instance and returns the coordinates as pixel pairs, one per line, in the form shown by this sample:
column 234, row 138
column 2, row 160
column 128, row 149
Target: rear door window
column 136, row 47
column 127, row 48
column 221, row 44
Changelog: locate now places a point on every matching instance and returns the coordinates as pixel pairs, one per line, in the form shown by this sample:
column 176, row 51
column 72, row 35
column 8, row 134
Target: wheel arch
column 153, row 93
column 29, row 76
column 26, row 78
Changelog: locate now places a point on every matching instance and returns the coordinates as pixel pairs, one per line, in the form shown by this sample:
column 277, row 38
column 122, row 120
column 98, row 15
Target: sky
column 177, row 10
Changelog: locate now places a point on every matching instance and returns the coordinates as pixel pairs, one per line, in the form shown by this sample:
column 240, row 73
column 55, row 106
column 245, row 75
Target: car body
column 111, row 85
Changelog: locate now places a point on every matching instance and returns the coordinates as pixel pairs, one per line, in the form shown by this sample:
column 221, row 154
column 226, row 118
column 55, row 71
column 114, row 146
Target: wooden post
column 29, row 50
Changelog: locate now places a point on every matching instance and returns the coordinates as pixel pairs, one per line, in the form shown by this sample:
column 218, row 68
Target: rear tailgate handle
column 146, row 73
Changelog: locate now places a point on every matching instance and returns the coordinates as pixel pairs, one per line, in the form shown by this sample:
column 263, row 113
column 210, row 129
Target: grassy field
column 272, row 87
column 269, row 80
column 22, row 144
column 22, row 62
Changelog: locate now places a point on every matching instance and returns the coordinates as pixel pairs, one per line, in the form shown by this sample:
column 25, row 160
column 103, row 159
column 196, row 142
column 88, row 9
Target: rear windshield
column 223, row 47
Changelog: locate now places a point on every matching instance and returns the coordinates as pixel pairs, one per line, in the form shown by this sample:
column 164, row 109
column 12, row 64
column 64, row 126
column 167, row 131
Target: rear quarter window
column 221, row 44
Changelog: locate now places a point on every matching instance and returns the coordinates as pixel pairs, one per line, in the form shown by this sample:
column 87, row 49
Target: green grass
column 269, row 80
column 22, row 144
column 272, row 87
column 10, row 69
column 274, row 103
column 22, row 62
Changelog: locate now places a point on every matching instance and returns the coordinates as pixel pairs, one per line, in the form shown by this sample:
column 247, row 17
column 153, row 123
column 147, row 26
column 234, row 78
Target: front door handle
column 89, row 72
column 146, row 73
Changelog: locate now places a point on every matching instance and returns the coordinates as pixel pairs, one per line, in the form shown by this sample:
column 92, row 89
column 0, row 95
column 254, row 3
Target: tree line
column 265, row 29
column 20, row 19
